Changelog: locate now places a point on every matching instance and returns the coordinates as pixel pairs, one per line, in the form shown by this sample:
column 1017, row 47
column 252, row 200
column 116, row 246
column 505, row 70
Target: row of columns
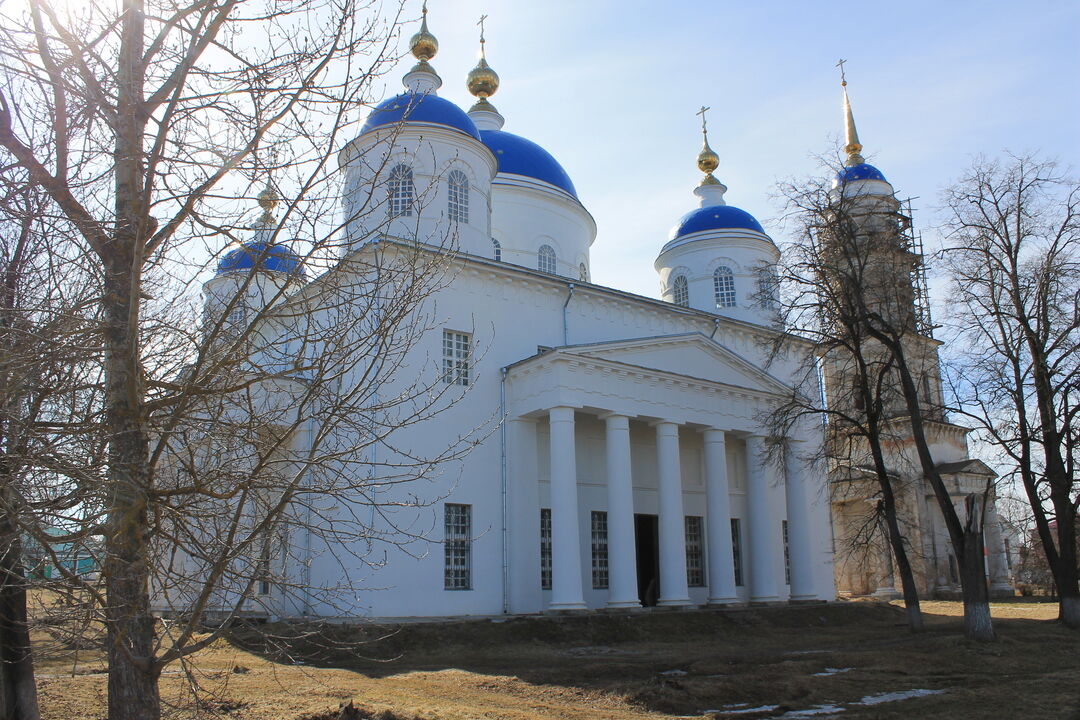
column 764, row 536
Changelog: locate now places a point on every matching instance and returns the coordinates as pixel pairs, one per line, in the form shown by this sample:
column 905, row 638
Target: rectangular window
column 263, row 573
column 456, row 351
column 599, row 550
column 736, row 550
column 545, row 548
column 458, row 544
column 787, row 553
column 695, row 554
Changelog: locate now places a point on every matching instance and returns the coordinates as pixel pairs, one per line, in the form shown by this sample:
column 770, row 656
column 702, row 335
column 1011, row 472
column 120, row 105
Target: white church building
column 628, row 464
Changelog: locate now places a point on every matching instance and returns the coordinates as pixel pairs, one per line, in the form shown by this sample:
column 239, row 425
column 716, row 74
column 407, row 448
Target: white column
column 622, row 552
column 523, row 521
column 765, row 531
column 718, row 521
column 800, row 538
column 999, row 566
column 673, row 590
column 566, row 586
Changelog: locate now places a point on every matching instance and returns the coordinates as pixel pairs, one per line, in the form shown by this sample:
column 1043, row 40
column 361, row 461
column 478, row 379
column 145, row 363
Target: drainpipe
column 569, row 295
column 505, row 499
column 715, row 327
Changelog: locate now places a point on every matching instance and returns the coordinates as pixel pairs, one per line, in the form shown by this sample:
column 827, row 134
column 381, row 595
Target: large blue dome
column 862, row 171
column 421, row 108
column 715, row 217
column 262, row 254
column 519, row 156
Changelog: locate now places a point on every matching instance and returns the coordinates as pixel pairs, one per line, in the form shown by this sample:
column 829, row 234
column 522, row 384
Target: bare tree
column 231, row 434
column 832, row 279
column 1014, row 260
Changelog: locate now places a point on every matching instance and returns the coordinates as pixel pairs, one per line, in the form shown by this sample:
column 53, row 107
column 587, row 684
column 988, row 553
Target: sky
column 611, row 89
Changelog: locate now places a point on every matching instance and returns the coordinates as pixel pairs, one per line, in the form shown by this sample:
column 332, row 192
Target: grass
column 646, row 665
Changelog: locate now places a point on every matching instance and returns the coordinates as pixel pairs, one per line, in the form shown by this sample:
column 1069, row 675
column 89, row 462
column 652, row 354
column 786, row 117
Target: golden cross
column 843, row 77
column 701, row 112
column 481, row 24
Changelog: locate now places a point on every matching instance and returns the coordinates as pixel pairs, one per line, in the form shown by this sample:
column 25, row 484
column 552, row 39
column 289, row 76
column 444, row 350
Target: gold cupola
column 423, row 44
column 707, row 159
column 482, row 81
column 268, row 200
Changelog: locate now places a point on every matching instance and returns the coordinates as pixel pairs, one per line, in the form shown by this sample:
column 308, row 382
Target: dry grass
column 613, row 666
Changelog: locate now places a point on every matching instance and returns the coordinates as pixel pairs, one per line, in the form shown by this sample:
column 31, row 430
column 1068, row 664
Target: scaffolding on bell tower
column 913, row 242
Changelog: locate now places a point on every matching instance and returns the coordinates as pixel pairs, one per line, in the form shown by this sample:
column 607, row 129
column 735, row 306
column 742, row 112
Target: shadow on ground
column 745, row 663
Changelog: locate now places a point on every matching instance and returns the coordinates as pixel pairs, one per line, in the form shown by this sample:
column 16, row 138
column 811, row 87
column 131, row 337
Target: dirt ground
column 847, row 660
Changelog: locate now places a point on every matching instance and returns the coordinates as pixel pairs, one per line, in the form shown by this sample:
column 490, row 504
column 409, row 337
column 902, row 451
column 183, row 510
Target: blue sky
column 611, row 90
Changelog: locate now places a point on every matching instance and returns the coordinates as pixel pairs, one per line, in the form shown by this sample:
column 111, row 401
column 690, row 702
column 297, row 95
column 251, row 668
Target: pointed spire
column 483, row 82
column 711, row 191
column 424, row 46
column 852, row 146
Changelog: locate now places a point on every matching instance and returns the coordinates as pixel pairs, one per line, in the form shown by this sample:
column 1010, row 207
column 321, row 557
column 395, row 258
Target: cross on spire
column 843, row 77
column 704, row 128
column 481, row 24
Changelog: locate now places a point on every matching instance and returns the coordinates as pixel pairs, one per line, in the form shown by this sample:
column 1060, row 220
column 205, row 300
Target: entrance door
column 647, row 540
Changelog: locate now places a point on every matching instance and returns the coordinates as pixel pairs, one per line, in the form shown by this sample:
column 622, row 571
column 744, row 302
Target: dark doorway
column 647, row 540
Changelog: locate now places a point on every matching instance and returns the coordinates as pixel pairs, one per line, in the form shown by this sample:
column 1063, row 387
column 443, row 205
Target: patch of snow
column 894, row 696
column 832, row 671
column 746, row 710
column 812, row 712
column 674, row 673
column 806, row 652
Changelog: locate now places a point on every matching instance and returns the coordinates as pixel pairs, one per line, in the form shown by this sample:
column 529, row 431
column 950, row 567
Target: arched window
column 546, row 259
column 724, row 287
column 583, row 273
column 401, row 191
column 680, row 294
column 769, row 287
column 458, row 204
column 496, row 250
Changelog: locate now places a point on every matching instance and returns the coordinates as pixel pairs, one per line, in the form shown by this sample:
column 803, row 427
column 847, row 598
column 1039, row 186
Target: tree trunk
column 1065, row 575
column 903, row 567
column 18, row 692
column 976, row 595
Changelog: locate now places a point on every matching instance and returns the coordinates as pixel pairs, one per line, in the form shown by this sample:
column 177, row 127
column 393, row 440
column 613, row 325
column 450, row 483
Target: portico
column 685, row 450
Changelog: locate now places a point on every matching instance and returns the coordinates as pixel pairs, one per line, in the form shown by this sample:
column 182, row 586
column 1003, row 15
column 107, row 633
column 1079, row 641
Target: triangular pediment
column 689, row 355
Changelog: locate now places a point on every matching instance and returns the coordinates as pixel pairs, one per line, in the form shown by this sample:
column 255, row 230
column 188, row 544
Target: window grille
column 458, row 544
column 456, row 352
column 496, row 252
column 736, row 550
column 724, row 287
column 458, row 205
column 546, row 259
column 262, row 570
column 599, row 550
column 787, row 553
column 545, row 548
column 695, row 554
column 401, row 191
column 681, row 295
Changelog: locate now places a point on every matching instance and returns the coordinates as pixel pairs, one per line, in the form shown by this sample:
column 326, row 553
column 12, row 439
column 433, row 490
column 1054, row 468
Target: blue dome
column 715, row 217
column 412, row 107
column 862, row 171
column 269, row 257
column 519, row 156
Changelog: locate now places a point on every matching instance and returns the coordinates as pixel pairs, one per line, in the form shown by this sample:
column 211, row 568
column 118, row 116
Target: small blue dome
column 862, row 171
column 412, row 107
column 519, row 156
column 269, row 257
column 715, row 217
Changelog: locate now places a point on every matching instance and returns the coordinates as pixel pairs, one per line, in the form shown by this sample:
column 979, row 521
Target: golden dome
column 707, row 159
column 482, row 82
column 268, row 198
column 423, row 44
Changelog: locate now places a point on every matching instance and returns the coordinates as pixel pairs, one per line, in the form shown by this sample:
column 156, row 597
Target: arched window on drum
column 679, row 291
column 545, row 261
column 458, row 204
column 724, row 287
column 401, row 191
